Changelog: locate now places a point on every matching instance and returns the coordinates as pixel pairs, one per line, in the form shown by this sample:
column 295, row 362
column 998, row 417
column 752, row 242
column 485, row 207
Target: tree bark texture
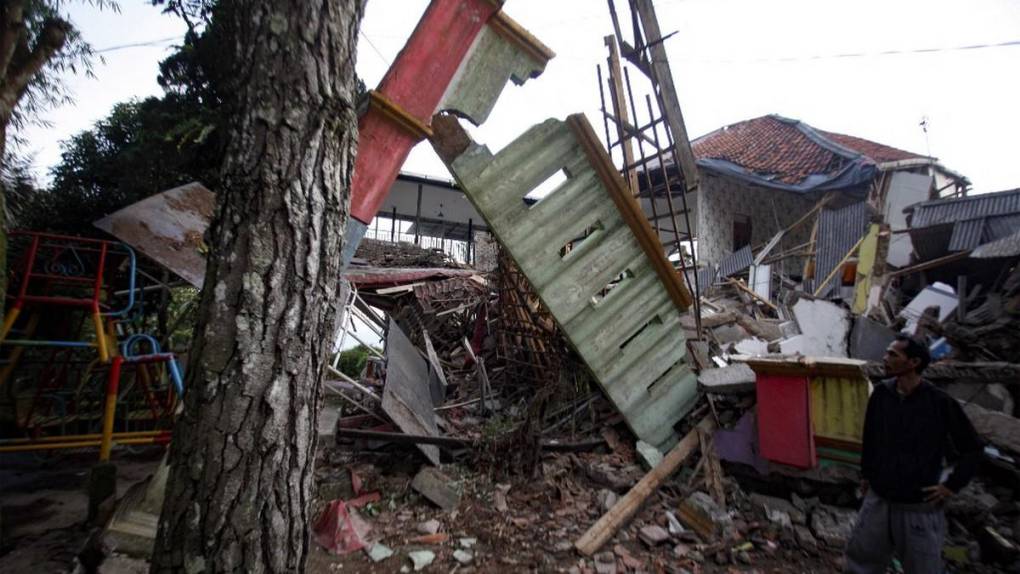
column 242, row 457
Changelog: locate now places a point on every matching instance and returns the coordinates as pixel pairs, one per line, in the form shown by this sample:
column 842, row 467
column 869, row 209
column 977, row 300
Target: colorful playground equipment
column 78, row 370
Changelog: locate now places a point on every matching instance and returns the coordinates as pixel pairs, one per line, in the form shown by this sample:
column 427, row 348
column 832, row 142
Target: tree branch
column 13, row 31
column 51, row 40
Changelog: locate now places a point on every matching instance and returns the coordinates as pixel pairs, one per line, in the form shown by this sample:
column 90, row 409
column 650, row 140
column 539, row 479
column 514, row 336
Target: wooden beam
column 631, row 130
column 663, row 76
column 620, row 109
column 740, row 285
column 627, row 507
column 456, row 442
column 930, row 264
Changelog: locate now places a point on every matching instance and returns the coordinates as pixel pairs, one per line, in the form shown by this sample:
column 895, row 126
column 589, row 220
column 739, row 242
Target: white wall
column 905, row 189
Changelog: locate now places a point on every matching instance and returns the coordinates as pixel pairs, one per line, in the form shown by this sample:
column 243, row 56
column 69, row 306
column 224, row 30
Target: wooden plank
column 784, row 420
column 740, row 285
column 620, row 111
column 713, row 470
column 628, row 506
column 930, row 264
column 663, row 76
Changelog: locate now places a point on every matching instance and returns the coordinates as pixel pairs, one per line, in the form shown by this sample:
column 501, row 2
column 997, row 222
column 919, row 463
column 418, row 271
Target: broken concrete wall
column 721, row 199
column 486, row 252
column 824, row 327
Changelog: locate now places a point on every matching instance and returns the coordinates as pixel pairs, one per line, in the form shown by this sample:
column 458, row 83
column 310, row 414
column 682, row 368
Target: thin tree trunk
column 239, row 493
column 5, row 118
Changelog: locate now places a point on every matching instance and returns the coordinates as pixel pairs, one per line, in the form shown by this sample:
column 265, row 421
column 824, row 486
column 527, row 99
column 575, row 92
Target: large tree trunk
column 239, row 493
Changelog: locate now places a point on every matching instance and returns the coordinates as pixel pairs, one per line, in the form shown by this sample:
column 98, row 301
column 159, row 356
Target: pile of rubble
column 525, row 437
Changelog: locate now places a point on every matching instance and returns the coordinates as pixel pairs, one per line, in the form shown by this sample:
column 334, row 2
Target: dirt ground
column 505, row 521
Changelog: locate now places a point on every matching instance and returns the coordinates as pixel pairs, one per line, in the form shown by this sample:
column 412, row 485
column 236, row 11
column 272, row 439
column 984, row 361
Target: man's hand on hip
column 937, row 494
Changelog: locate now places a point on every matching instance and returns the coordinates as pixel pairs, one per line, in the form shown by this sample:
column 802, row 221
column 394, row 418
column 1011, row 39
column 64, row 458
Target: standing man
column 910, row 428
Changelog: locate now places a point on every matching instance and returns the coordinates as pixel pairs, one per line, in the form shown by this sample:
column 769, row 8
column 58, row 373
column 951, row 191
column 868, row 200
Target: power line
column 139, row 44
column 376, row 50
column 1006, row 44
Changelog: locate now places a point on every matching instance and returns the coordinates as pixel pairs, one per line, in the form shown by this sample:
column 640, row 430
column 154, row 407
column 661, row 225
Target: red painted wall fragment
column 784, row 420
column 416, row 83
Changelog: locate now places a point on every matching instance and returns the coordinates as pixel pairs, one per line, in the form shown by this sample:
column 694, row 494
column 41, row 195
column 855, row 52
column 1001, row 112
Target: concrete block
column 824, row 327
column 734, row 378
column 435, row 486
column 752, row 346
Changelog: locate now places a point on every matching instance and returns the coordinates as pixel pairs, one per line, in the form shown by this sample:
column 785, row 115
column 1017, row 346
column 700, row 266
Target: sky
column 816, row 61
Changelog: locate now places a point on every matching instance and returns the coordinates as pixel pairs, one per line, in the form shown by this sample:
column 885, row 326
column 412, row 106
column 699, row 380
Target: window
column 741, row 231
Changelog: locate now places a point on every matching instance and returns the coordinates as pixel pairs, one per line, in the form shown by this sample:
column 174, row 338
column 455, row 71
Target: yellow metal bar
column 81, row 437
column 9, row 320
column 75, row 444
column 104, row 353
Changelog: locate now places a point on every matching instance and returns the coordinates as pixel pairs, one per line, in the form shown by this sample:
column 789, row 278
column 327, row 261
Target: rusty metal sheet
column 168, row 227
column 407, row 397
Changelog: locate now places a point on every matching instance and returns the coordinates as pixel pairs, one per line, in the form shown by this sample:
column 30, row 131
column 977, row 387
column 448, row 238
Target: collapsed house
column 761, row 175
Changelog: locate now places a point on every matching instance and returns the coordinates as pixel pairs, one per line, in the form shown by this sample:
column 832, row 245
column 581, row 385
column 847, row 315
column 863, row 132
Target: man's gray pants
column 913, row 533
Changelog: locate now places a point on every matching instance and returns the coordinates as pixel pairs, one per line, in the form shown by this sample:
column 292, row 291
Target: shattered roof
column 952, row 210
column 961, row 224
column 782, row 153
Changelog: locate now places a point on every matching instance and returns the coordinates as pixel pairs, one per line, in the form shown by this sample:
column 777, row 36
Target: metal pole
column 644, row 166
column 672, row 218
column 470, row 242
column 417, row 219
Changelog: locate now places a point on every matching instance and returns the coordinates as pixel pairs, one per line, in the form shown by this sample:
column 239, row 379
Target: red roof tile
column 880, row 153
column 777, row 148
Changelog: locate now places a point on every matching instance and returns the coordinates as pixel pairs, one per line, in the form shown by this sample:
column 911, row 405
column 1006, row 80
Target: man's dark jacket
column 907, row 438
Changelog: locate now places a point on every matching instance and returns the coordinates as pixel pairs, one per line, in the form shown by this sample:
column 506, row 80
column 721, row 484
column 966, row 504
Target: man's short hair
column 915, row 349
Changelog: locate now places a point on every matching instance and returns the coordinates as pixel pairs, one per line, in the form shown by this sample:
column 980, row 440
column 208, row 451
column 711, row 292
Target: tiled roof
column 788, row 151
column 880, row 153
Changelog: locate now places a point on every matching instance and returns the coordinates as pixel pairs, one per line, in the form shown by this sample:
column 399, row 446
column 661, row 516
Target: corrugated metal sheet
column 1008, row 246
column 1000, row 227
column 706, row 276
column 838, row 231
column 736, row 262
column 967, row 235
column 942, row 211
